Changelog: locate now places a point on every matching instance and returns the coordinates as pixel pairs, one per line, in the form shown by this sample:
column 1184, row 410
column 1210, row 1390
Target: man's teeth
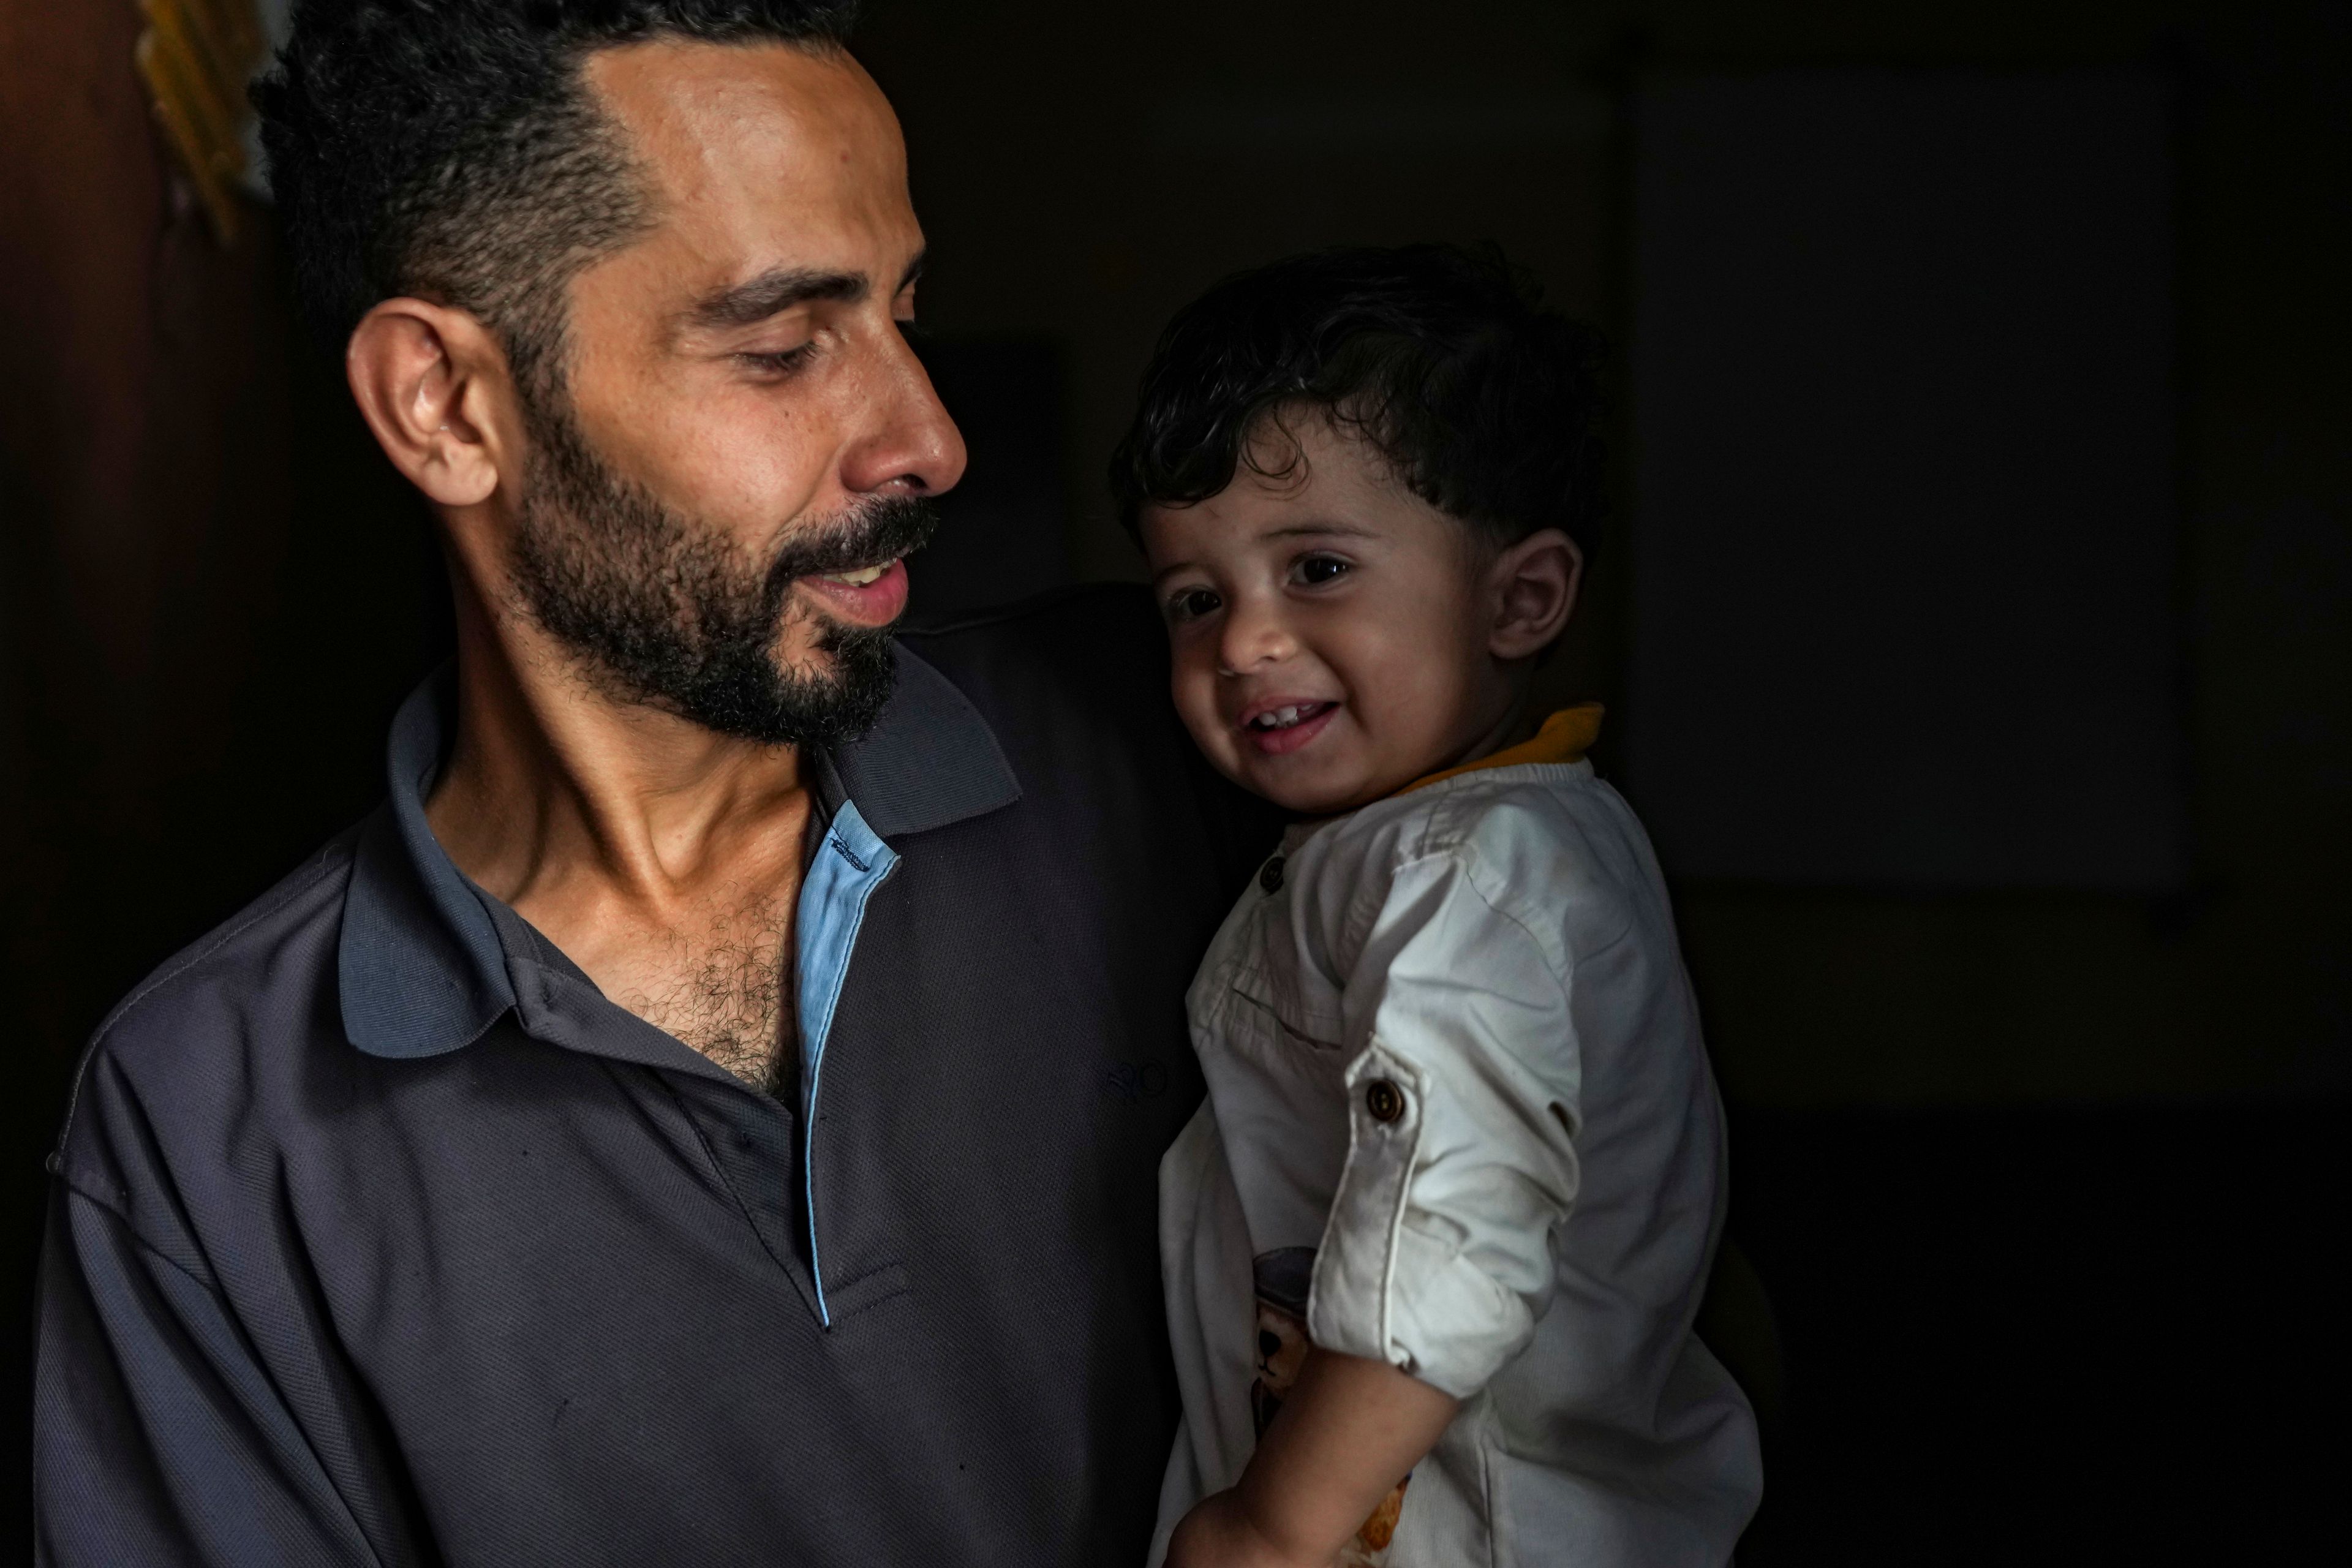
column 1284, row 718
column 859, row 578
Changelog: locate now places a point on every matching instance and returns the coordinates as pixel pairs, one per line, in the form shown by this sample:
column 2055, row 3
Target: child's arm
column 1349, row 1430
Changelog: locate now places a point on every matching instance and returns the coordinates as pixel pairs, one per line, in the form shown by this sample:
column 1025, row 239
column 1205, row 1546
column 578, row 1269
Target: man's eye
column 783, row 362
column 1314, row 570
column 1192, row 603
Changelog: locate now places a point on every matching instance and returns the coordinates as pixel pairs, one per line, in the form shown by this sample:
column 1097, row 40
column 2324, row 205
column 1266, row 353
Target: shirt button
column 1384, row 1099
column 1269, row 876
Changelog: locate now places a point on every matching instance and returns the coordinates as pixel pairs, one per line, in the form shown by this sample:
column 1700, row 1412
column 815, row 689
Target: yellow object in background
column 194, row 58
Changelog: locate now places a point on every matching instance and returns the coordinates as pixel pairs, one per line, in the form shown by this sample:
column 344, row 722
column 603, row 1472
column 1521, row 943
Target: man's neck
column 551, row 777
column 662, row 859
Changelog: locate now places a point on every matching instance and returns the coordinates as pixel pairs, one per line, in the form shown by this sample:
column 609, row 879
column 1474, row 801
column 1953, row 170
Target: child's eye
column 1192, row 603
column 1314, row 570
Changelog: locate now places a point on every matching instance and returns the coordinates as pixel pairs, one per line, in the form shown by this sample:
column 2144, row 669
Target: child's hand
column 1219, row 1533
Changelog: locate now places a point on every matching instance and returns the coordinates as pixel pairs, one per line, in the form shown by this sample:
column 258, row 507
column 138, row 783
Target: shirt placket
column 850, row 863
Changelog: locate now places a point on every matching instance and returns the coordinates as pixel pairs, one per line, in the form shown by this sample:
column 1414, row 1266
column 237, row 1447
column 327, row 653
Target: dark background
column 2045, row 1188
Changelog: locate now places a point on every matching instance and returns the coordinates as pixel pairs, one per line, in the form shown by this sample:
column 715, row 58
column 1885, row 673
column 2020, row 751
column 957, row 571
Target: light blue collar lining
column 848, row 866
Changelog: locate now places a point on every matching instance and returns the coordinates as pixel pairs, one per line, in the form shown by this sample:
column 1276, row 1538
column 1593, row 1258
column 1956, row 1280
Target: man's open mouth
column 862, row 595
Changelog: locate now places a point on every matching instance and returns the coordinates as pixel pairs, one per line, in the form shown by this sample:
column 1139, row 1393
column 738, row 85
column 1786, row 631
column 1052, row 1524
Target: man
column 709, row 1113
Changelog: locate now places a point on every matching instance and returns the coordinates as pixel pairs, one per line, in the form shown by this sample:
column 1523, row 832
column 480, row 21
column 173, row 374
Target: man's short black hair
column 448, row 150
column 1443, row 359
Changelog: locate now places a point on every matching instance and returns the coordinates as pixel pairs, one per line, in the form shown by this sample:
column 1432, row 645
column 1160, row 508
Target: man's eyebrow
column 772, row 293
column 779, row 289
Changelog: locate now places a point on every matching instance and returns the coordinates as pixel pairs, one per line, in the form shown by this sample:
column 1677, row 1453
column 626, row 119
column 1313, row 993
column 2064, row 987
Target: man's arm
column 1349, row 1430
column 158, row 1436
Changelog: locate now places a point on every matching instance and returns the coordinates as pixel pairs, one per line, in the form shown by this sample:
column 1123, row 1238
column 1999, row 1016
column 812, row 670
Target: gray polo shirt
column 379, row 1236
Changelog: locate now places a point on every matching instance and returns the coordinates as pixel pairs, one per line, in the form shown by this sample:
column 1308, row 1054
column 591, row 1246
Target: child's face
column 1335, row 635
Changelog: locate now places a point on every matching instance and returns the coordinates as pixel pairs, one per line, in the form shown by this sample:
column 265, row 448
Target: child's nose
column 1254, row 637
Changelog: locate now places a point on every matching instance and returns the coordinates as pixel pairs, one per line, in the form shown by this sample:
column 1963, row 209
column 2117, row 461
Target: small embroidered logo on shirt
column 1133, row 1081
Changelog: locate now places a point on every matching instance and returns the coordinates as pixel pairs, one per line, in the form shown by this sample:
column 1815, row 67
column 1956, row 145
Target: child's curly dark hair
column 1483, row 403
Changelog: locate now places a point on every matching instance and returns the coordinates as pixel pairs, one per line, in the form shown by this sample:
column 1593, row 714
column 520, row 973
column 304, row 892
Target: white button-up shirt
column 1460, row 1120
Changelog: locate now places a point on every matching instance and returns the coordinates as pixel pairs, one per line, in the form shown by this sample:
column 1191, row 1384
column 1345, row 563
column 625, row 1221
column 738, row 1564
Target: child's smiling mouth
column 1275, row 728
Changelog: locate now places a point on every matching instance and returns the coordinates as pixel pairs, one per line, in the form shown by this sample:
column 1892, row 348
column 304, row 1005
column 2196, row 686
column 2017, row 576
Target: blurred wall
column 213, row 587
column 1082, row 170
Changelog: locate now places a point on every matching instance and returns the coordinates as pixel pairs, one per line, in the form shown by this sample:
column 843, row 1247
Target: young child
column 1433, row 1244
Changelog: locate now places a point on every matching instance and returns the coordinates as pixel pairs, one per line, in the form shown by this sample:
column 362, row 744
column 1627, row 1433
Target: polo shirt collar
column 930, row 760
column 421, row 962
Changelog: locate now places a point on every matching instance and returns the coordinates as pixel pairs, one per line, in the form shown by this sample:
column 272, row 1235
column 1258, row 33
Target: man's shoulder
column 1074, row 686
column 261, row 949
column 1092, row 637
column 1114, row 604
column 192, row 1036
column 1072, row 683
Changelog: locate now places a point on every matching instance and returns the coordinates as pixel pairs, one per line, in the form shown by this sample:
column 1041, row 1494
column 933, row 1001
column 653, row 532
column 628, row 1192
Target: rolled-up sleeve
column 1461, row 1157
column 158, row 1435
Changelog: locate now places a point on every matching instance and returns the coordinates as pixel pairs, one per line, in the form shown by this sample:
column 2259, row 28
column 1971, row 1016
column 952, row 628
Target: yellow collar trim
column 1565, row 737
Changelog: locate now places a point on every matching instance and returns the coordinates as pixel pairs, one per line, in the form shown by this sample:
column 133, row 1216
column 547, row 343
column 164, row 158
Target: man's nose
column 911, row 444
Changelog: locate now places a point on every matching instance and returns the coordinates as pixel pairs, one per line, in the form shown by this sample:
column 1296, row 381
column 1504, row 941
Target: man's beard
column 668, row 615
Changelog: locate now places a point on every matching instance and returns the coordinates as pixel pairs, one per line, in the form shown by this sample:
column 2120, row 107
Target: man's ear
column 1533, row 587
column 428, row 380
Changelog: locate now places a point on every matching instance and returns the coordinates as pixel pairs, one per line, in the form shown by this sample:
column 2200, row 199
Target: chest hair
column 727, row 989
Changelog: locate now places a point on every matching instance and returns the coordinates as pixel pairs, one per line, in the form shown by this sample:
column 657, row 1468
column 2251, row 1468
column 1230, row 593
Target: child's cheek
column 1194, row 689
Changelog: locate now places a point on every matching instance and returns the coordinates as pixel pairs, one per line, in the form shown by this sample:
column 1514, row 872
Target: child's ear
column 1532, row 586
